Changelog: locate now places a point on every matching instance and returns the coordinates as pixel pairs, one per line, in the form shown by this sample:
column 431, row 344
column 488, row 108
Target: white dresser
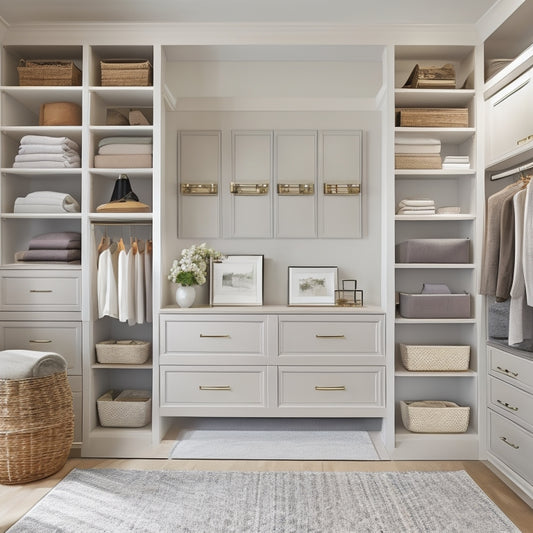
column 510, row 400
column 272, row 362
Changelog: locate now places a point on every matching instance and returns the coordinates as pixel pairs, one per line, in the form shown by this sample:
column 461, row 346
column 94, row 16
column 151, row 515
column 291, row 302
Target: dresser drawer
column 333, row 386
column 514, row 401
column 214, row 339
column 63, row 338
column 338, row 339
column 215, row 387
column 511, row 368
column 512, row 445
column 40, row 290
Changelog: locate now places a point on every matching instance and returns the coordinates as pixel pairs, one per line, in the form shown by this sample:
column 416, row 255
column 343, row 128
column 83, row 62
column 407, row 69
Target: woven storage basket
column 422, row 358
column 126, row 72
column 434, row 417
column 128, row 352
column 36, row 427
column 128, row 409
column 48, row 72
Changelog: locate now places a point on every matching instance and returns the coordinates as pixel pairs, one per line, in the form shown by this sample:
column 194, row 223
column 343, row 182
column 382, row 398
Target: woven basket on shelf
column 36, row 427
column 423, row 358
column 434, row 417
column 48, row 72
column 126, row 72
column 129, row 408
column 127, row 352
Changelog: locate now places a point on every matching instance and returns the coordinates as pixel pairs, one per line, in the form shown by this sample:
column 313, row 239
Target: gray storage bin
column 433, row 251
column 435, row 305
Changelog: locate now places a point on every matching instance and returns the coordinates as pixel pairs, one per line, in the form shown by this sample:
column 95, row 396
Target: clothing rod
column 118, row 223
column 511, row 172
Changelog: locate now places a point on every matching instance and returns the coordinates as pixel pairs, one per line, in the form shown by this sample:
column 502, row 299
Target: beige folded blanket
column 21, row 364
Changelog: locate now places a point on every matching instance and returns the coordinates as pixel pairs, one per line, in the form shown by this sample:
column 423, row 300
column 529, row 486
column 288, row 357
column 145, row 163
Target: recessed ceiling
column 360, row 12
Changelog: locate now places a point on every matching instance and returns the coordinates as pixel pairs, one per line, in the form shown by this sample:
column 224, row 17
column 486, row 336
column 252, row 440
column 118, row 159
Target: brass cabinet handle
column 330, row 336
column 214, row 387
column 505, row 404
column 340, row 387
column 41, row 290
column 202, row 336
column 515, row 446
column 40, row 341
column 507, row 372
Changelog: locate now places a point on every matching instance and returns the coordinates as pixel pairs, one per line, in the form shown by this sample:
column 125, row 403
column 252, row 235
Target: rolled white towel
column 416, row 202
column 44, row 139
column 21, row 364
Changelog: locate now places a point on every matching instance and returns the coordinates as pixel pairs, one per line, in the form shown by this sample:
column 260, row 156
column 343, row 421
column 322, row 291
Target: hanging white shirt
column 139, row 286
column 130, row 287
column 148, row 282
column 107, row 283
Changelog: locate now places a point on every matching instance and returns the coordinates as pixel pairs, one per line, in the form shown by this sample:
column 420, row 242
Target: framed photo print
column 237, row 280
column 312, row 285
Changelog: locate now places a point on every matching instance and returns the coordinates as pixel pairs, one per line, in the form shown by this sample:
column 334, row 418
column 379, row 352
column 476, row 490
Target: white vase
column 185, row 296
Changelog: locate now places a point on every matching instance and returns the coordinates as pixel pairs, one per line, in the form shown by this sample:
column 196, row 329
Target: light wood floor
column 15, row 500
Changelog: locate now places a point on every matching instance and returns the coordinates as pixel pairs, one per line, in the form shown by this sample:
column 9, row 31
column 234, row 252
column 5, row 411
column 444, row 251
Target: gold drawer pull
column 507, row 372
column 525, row 140
column 515, row 446
column 40, row 341
column 41, row 290
column 214, row 387
column 330, row 336
column 505, row 404
column 202, row 336
column 340, row 387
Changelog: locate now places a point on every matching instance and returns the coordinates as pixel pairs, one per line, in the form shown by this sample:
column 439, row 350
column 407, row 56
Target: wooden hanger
column 149, row 246
column 104, row 243
column 121, row 245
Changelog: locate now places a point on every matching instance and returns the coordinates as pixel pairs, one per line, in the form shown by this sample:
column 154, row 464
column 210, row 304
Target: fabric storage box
column 434, row 416
column 129, row 408
column 60, row 114
column 433, row 251
column 417, row 117
column 126, row 72
column 48, row 72
column 432, row 358
column 435, row 305
column 127, row 352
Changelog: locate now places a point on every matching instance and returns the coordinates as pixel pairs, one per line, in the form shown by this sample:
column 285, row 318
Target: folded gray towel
column 21, row 364
column 62, row 240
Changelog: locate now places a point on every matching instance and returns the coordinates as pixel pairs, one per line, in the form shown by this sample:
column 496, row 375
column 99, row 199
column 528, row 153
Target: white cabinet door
column 340, row 213
column 295, row 157
column 510, row 118
column 199, row 163
column 251, row 213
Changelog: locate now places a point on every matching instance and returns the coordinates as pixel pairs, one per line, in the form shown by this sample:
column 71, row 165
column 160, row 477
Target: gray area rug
column 120, row 501
column 301, row 445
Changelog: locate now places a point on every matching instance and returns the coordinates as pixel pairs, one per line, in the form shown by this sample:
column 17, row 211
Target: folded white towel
column 117, row 149
column 47, row 149
column 407, row 211
column 46, row 202
column 21, row 364
column 46, row 164
column 417, row 202
column 44, row 139
column 408, row 139
column 70, row 157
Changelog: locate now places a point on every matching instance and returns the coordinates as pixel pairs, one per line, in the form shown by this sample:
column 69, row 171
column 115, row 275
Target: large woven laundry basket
column 36, row 427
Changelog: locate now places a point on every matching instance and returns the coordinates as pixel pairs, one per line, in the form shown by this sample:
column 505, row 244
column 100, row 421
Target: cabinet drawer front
column 213, row 386
column 331, row 335
column 512, row 444
column 208, row 336
column 63, row 338
column 511, row 367
column 38, row 292
column 512, row 400
column 342, row 386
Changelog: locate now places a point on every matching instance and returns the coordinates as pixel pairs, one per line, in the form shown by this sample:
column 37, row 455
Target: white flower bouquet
column 191, row 267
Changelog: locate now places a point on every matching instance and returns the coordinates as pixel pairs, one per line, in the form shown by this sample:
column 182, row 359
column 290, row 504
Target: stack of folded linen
column 417, row 152
column 124, row 152
column 456, row 161
column 416, row 206
column 64, row 247
column 46, row 202
column 41, row 151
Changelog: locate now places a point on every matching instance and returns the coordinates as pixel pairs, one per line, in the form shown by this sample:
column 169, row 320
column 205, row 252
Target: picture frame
column 237, row 280
column 312, row 285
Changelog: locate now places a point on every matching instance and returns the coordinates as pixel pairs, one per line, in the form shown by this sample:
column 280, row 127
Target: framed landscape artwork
column 237, row 280
column 312, row 285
